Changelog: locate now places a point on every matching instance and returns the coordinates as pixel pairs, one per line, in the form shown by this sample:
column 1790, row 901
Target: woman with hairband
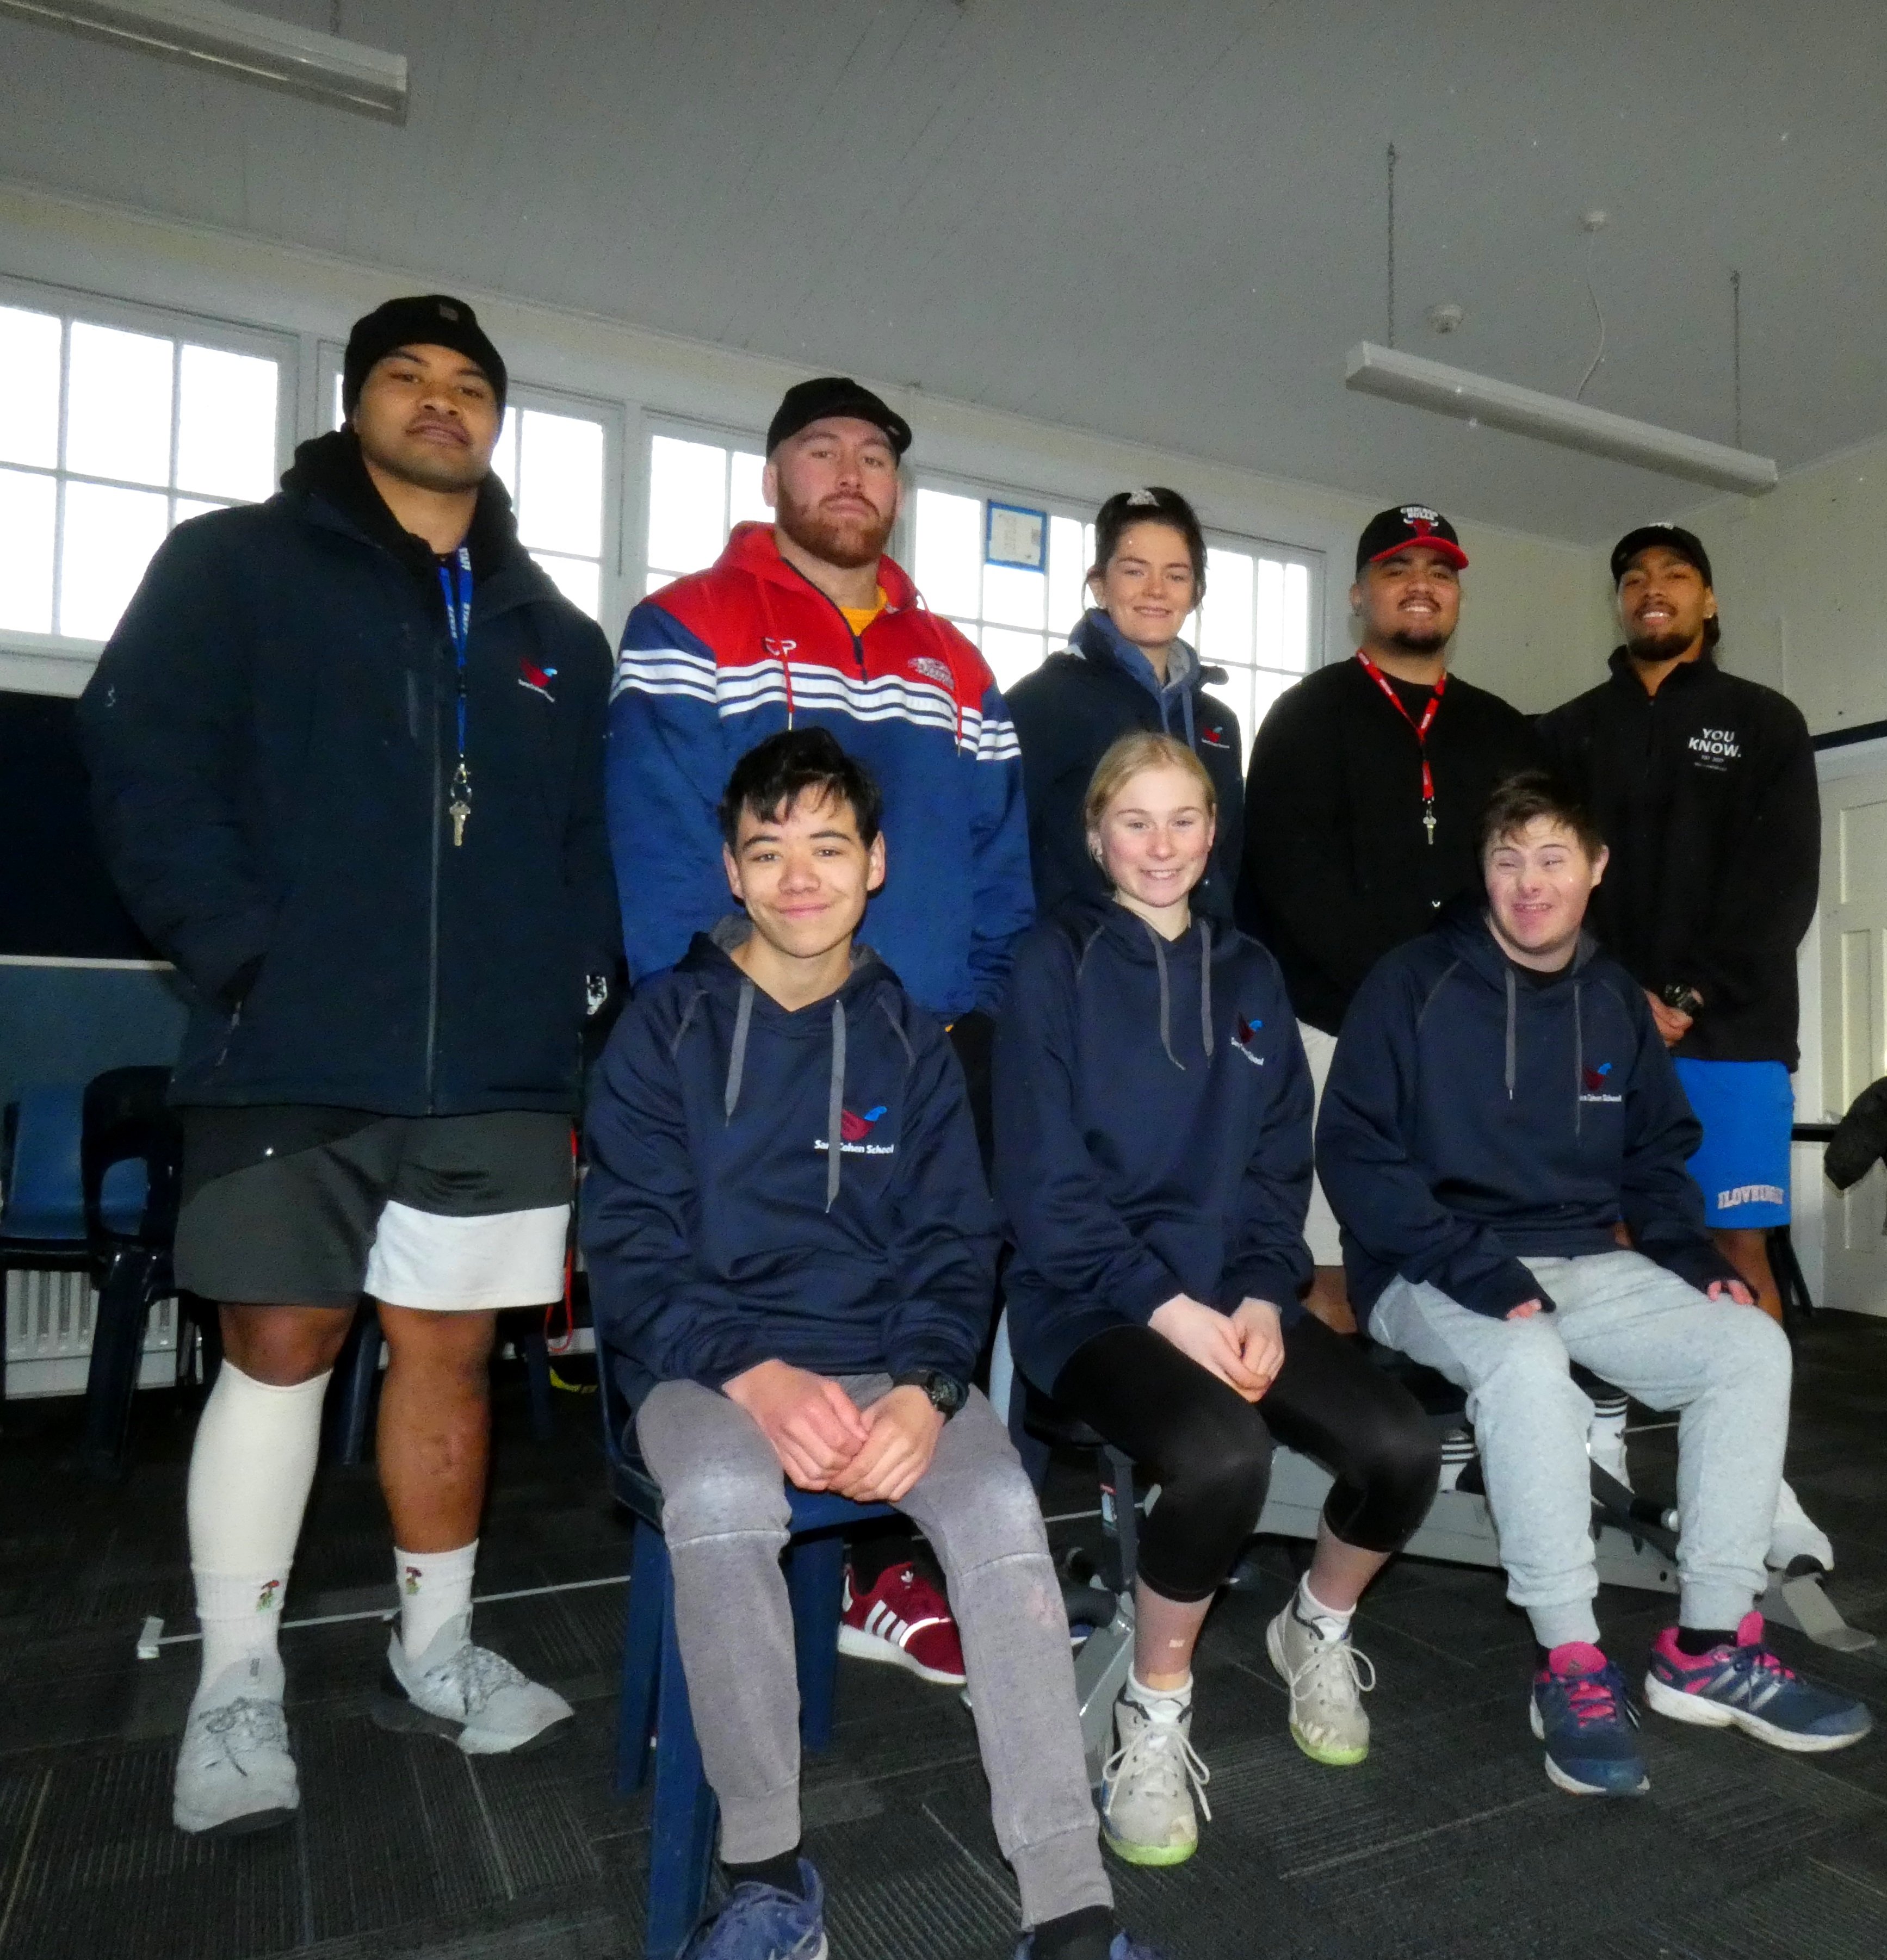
column 1126, row 668
column 1152, row 1162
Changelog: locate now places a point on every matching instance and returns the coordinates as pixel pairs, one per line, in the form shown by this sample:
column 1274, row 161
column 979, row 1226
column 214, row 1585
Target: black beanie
column 423, row 319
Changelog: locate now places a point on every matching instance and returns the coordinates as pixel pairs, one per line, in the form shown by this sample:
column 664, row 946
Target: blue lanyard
column 455, row 581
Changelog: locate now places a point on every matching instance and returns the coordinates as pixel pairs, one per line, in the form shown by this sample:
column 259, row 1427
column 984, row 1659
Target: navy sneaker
column 1746, row 1687
column 1581, row 1712
column 762, row 1923
column 1124, row 1946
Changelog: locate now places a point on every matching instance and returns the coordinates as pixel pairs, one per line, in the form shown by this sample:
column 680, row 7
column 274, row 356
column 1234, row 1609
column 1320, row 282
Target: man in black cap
column 346, row 749
column 805, row 622
column 1363, row 799
column 1704, row 787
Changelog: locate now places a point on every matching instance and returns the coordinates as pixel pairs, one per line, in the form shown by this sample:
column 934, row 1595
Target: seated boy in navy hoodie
column 791, row 1253
column 1500, row 1103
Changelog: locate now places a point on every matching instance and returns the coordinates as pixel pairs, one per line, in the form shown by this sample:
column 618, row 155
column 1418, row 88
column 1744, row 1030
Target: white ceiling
column 1160, row 219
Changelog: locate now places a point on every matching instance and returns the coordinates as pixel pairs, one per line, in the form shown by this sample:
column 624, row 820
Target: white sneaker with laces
column 1148, row 1783
column 1328, row 1680
column 468, row 1695
column 234, row 1773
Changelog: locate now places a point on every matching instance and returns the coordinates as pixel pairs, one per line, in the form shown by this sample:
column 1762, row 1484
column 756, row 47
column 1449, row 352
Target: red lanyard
column 1421, row 727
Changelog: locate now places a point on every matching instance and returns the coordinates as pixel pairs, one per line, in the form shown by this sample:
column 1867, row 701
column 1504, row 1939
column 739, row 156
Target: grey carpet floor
column 1449, row 1841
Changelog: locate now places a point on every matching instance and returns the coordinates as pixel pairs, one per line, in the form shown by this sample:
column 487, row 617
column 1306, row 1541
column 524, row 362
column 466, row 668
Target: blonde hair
column 1127, row 758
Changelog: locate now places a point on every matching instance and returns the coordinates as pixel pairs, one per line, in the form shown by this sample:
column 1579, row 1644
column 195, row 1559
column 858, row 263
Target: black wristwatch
column 947, row 1393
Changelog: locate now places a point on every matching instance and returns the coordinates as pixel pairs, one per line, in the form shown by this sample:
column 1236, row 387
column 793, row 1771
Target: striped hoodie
column 719, row 660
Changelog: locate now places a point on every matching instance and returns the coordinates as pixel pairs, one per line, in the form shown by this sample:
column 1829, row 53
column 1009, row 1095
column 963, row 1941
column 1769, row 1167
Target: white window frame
column 683, row 428
column 60, row 663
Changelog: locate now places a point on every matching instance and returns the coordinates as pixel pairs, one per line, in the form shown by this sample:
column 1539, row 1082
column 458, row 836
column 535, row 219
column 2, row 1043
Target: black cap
column 834, row 394
column 1673, row 537
column 420, row 319
column 1389, row 532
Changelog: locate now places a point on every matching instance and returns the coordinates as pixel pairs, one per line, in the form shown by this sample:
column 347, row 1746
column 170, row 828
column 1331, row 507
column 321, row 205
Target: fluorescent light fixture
column 232, row 41
column 1476, row 399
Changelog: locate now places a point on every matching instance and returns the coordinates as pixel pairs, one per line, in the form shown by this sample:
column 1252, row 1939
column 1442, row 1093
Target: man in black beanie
column 346, row 748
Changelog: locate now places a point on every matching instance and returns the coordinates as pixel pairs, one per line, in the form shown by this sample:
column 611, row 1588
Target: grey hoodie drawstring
column 1513, row 996
column 1166, row 996
column 737, row 1061
column 834, row 1104
column 1186, row 705
column 1205, row 986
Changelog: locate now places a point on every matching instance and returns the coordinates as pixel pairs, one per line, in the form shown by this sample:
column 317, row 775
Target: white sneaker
column 469, row 1695
column 234, row 1773
column 1795, row 1534
column 1328, row 1680
column 1148, row 1782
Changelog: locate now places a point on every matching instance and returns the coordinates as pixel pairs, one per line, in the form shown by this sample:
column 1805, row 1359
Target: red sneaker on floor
column 904, row 1620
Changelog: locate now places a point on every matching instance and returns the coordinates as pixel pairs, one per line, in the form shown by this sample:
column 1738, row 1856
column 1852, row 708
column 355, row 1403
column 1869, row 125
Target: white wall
column 1534, row 626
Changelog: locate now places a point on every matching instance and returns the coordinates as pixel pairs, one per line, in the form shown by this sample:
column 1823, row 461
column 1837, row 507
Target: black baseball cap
column 1673, row 537
column 1390, row 531
column 811, row 401
column 420, row 319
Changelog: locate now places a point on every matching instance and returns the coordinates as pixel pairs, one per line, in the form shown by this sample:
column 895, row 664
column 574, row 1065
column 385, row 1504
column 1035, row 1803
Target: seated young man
column 791, row 1252
column 1500, row 1101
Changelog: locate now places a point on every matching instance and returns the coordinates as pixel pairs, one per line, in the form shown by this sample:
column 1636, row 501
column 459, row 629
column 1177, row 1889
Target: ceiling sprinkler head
column 1594, row 220
column 1446, row 319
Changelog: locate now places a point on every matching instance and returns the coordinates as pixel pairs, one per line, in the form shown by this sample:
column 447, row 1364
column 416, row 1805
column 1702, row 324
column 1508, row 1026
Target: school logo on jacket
column 1215, row 738
column 537, row 678
column 1596, row 1085
column 1244, row 1033
column 854, row 1134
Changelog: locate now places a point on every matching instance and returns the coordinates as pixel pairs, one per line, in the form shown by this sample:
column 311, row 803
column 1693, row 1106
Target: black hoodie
column 1706, row 793
column 271, row 734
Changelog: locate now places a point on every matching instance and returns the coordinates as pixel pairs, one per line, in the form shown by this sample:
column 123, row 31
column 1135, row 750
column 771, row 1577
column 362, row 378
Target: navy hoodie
column 1472, row 1116
column 802, row 1186
column 1153, row 1129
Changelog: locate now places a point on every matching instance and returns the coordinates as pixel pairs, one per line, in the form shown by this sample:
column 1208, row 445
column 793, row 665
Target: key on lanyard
column 455, row 582
column 1422, row 729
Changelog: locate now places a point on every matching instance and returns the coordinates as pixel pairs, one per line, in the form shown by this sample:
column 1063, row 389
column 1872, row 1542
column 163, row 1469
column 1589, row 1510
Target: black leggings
column 1211, row 1449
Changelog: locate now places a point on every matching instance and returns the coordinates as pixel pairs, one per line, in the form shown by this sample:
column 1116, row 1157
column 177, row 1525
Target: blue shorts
column 1747, row 1109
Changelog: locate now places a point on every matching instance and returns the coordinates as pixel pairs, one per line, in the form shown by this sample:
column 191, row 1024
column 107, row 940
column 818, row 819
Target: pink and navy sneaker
column 1746, row 1687
column 1581, row 1712
column 904, row 1620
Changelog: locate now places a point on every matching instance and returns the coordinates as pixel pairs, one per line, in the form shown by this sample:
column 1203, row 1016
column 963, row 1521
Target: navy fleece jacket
column 724, row 1224
column 1153, row 1129
column 1472, row 1117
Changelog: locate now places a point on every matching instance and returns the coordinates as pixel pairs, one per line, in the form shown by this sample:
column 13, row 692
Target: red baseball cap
column 1390, row 531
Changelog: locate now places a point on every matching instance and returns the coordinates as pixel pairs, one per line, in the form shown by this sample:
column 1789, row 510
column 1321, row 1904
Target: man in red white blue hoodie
column 807, row 623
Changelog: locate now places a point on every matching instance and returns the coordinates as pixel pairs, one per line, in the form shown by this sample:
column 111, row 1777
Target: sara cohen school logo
column 855, row 1135
column 1244, row 1033
column 1596, row 1085
column 537, row 678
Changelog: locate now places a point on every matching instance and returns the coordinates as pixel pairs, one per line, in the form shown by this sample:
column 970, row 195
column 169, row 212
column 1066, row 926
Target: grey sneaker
column 1328, row 1680
column 469, row 1695
column 234, row 1773
column 1148, row 1784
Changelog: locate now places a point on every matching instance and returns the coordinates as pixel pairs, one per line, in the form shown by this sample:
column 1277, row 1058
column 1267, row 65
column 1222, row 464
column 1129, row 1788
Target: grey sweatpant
column 724, row 1516
column 1726, row 1368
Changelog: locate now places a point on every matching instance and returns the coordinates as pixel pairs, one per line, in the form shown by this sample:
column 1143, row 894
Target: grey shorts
column 292, row 1206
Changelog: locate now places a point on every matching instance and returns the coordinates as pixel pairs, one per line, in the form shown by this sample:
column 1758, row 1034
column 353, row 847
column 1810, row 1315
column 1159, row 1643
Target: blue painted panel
column 68, row 1023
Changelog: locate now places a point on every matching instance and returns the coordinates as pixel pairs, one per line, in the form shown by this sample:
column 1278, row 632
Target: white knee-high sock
column 434, row 1587
column 250, row 1471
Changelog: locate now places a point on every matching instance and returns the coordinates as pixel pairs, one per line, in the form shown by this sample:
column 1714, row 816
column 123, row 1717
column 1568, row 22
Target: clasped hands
column 1245, row 1349
column 825, row 1442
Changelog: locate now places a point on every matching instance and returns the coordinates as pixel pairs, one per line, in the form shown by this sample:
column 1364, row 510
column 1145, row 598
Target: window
column 1255, row 622
column 109, row 436
column 698, row 491
column 553, row 462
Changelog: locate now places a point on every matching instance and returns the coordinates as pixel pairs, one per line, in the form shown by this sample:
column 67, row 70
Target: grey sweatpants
column 1726, row 1368
column 724, row 1516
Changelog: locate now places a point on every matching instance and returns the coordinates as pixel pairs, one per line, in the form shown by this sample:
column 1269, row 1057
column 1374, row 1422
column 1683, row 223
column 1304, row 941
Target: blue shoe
column 1581, row 1712
column 762, row 1923
column 1124, row 1946
column 1746, row 1687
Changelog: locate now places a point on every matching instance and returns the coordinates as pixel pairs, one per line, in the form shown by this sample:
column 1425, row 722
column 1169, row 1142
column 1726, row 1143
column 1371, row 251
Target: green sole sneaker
column 1147, row 1854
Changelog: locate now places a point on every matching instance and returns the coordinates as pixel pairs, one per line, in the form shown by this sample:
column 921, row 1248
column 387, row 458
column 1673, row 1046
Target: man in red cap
column 1363, row 800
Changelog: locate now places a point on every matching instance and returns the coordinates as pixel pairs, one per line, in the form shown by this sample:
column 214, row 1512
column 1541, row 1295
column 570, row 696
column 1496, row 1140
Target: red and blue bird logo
column 854, row 1129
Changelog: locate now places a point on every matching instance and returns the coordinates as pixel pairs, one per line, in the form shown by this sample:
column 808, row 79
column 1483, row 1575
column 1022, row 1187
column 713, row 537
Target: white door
column 1854, row 1020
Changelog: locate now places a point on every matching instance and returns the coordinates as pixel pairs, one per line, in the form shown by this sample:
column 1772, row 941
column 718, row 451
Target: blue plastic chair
column 42, row 1222
column 653, row 1719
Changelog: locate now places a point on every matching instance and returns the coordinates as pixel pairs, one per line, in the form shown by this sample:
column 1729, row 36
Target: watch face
column 947, row 1394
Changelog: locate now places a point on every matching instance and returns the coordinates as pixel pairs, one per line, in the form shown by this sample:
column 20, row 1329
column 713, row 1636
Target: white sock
column 433, row 1587
column 1331, row 1623
column 1138, row 1692
column 250, row 1470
